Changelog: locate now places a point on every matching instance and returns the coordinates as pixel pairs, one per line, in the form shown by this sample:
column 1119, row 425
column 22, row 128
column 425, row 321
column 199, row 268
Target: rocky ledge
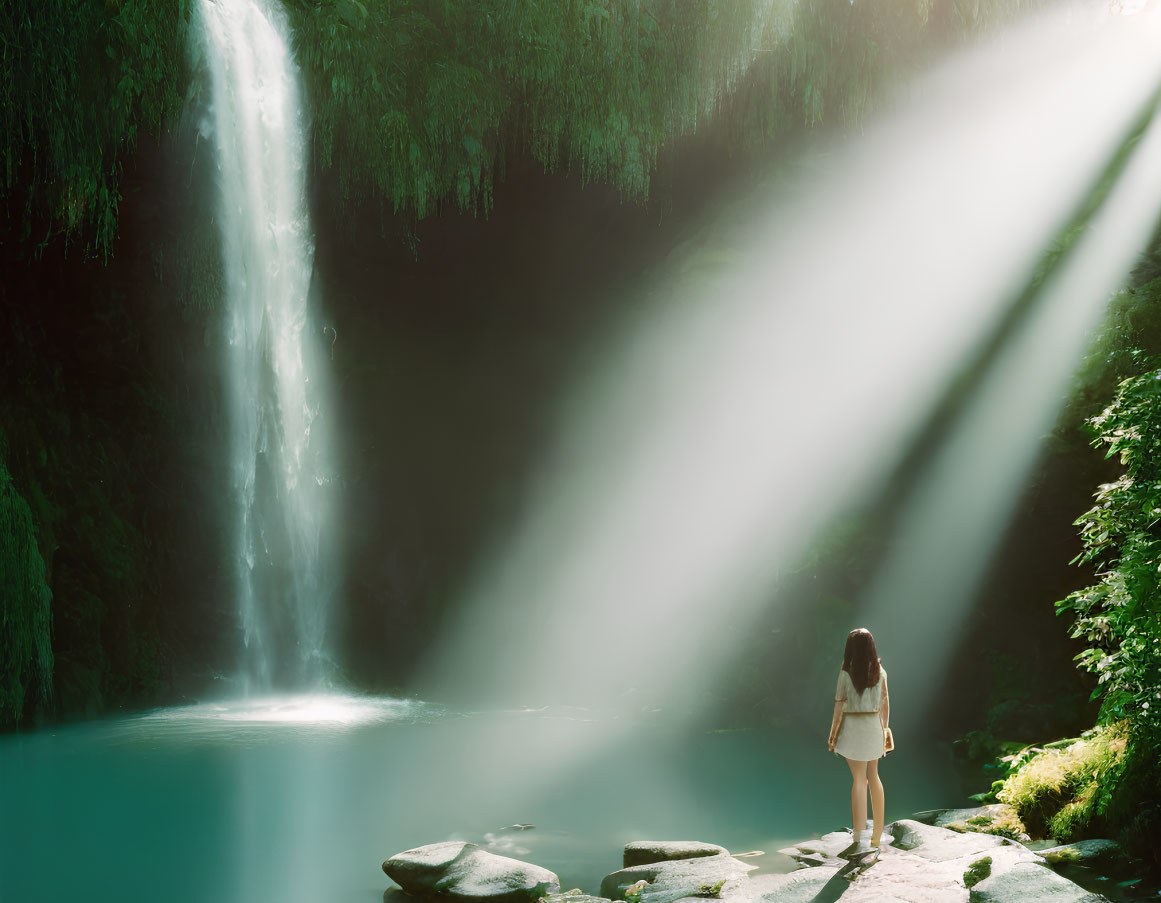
column 918, row 863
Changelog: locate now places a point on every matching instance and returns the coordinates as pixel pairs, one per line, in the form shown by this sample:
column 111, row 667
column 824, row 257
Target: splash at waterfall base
column 922, row 861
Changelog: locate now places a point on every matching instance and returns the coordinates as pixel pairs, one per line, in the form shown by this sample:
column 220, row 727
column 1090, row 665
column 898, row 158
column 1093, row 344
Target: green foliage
column 418, row 101
column 80, row 80
column 26, row 660
column 710, row 888
column 1119, row 616
column 977, row 872
column 1131, row 333
column 1065, row 789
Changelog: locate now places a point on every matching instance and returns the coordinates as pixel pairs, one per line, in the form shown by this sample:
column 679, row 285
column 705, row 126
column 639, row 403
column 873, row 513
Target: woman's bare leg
column 877, row 801
column 858, row 797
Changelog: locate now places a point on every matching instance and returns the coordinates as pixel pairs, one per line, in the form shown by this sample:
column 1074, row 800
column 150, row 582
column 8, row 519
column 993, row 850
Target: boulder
column 644, row 852
column 673, row 879
column 1030, row 881
column 462, row 871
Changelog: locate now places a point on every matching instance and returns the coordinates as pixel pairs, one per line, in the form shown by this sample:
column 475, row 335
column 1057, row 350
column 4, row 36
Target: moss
column 977, row 872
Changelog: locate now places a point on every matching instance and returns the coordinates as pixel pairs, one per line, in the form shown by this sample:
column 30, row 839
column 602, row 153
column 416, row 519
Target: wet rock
column 941, row 844
column 918, row 864
column 674, row 879
column 802, row 886
column 1097, row 852
column 994, row 818
column 819, row 851
column 464, row 872
column 1030, row 881
column 576, row 895
column 644, row 852
column 944, row 817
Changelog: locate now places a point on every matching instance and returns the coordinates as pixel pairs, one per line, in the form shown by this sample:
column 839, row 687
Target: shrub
column 1065, row 791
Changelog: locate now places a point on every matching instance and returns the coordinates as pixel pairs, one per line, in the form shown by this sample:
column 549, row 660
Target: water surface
column 301, row 799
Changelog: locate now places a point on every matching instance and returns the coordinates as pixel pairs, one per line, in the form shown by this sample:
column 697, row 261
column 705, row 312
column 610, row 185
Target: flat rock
column 925, row 864
column 644, row 852
column 922, row 864
column 978, row 819
column 573, row 896
column 674, row 879
column 802, row 886
column 980, row 815
column 1096, row 852
column 1030, row 881
column 462, row 871
column 820, row 850
column 943, row 845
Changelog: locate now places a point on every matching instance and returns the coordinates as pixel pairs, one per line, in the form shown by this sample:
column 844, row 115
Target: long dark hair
column 861, row 660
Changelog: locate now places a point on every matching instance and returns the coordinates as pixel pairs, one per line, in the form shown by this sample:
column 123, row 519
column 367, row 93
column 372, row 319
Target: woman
column 858, row 729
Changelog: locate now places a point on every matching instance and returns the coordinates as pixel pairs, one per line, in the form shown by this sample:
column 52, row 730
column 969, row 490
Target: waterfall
column 275, row 351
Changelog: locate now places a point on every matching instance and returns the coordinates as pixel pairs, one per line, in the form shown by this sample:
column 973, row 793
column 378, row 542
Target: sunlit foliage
column 1119, row 616
column 1065, row 790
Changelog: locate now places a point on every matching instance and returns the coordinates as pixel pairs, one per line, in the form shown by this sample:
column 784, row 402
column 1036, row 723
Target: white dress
column 860, row 737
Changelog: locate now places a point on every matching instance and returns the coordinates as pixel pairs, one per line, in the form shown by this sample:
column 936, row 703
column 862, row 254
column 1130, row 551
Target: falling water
column 278, row 442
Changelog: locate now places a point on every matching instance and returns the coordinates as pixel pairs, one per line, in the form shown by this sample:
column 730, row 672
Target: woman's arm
column 885, row 706
column 835, row 721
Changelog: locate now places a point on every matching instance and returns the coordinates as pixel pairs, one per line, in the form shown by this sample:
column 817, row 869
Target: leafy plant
column 1119, row 616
